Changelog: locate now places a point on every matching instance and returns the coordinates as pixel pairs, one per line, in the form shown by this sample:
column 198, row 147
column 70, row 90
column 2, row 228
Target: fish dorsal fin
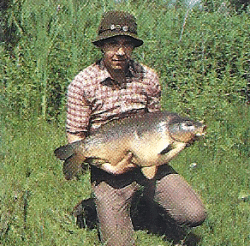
column 149, row 172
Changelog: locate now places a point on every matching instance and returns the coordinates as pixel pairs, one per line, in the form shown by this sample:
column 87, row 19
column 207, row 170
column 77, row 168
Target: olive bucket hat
column 117, row 23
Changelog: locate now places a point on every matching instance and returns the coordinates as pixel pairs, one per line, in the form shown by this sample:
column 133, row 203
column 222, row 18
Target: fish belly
column 112, row 151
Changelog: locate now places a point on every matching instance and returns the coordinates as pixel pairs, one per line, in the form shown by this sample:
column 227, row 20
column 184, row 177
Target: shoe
column 85, row 213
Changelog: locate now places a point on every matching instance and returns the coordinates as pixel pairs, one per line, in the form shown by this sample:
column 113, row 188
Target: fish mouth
column 201, row 133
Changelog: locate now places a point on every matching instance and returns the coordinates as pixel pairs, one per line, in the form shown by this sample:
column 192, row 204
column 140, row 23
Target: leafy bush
column 202, row 57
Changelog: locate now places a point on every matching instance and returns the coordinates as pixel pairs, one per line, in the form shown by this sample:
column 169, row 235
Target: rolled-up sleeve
column 78, row 108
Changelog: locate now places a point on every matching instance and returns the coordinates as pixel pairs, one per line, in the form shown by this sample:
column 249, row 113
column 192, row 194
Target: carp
column 153, row 139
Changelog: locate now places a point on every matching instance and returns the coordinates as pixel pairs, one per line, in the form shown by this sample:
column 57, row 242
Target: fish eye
column 189, row 123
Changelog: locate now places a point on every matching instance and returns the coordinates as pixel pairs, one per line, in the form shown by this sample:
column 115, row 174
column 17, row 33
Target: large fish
column 153, row 139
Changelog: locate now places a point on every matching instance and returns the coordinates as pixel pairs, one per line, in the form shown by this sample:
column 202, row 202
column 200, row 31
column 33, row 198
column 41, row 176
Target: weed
column 205, row 75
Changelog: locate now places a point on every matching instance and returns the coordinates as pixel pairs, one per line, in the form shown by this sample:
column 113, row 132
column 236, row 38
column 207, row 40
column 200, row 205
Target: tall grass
column 204, row 75
column 55, row 43
column 37, row 202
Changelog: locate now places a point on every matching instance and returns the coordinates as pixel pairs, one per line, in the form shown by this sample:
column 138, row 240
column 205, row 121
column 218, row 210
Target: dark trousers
column 114, row 194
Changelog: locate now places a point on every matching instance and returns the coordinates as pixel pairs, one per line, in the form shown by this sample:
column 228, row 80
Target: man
column 114, row 88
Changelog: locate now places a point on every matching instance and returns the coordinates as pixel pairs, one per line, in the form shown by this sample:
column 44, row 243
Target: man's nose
column 121, row 51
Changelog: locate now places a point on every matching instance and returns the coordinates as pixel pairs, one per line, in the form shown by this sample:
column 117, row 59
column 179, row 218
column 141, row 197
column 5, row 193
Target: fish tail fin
column 72, row 156
column 72, row 165
column 64, row 152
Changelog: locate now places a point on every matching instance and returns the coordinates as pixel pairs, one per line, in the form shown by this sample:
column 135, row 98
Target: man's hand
column 121, row 167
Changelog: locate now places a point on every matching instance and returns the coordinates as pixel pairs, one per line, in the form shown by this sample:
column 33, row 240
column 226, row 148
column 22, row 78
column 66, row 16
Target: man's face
column 117, row 52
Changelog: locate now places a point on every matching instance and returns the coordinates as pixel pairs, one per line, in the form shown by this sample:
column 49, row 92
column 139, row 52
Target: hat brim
column 138, row 42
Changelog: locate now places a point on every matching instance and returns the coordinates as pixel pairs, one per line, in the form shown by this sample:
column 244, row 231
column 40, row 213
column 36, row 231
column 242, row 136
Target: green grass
column 52, row 44
column 36, row 200
column 201, row 77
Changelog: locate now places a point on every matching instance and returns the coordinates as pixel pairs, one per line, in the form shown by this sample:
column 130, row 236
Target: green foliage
column 202, row 57
column 37, row 207
column 53, row 43
column 209, row 65
column 226, row 6
column 52, row 47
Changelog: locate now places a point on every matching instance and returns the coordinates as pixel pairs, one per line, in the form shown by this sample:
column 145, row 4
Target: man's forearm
column 75, row 137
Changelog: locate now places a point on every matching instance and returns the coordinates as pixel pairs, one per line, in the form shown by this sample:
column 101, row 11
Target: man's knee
column 189, row 215
column 195, row 216
column 178, row 198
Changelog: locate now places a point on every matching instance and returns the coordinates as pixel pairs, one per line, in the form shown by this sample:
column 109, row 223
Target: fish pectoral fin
column 72, row 165
column 167, row 149
column 149, row 172
column 176, row 149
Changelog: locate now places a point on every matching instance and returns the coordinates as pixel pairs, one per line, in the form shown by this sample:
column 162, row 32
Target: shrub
column 200, row 55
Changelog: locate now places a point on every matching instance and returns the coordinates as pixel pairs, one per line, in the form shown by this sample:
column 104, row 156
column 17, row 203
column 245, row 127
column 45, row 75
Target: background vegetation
column 200, row 50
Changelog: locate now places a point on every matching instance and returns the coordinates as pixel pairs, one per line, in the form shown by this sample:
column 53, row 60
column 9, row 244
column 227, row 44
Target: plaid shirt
column 94, row 98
